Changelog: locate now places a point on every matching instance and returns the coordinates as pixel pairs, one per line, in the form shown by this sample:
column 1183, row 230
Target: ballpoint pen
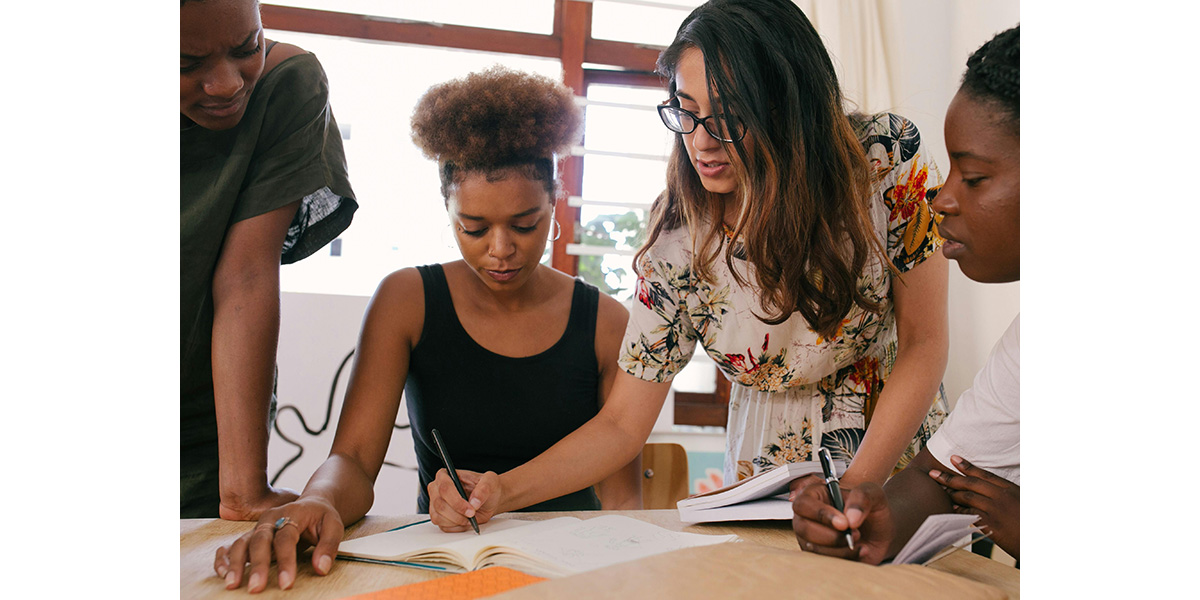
column 835, row 490
column 437, row 439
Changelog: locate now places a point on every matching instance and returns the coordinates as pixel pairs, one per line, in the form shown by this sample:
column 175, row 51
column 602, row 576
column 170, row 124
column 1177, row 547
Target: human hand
column 995, row 499
column 309, row 521
column 821, row 528
column 235, row 507
column 450, row 512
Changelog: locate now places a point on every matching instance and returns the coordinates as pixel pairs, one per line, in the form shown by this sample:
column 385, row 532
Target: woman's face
column 501, row 227
column 220, row 60
column 981, row 199
column 706, row 153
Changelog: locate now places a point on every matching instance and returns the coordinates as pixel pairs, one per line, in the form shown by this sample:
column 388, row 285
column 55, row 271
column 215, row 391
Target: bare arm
column 923, row 343
column 621, row 490
column 342, row 489
column 598, row 448
column 245, row 335
column 913, row 495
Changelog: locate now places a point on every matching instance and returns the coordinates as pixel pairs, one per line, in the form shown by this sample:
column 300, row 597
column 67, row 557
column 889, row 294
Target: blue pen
column 835, row 490
column 437, row 439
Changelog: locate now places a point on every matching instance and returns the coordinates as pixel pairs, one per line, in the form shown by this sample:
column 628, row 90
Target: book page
column 775, row 508
column 936, row 533
column 766, row 483
column 417, row 542
column 599, row 542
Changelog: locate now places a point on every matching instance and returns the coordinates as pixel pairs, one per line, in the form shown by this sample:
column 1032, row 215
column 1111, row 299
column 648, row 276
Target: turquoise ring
column 284, row 522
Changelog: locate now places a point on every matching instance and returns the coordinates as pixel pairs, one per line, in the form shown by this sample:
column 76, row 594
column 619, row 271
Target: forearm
column 913, row 496
column 343, row 483
column 622, row 490
column 245, row 336
column 901, row 407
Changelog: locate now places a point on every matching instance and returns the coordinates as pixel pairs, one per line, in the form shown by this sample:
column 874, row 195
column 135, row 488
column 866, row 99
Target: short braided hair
column 994, row 73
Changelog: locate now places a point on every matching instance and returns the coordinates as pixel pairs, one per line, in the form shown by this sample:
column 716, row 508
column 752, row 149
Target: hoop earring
column 557, row 230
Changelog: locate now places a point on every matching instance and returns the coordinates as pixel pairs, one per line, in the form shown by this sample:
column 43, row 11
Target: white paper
column 935, row 534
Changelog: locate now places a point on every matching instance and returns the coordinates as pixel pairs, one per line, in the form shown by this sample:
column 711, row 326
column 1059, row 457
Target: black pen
column 835, row 490
column 437, row 439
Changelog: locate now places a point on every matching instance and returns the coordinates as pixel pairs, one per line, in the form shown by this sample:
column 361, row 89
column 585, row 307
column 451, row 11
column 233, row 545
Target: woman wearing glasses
column 794, row 242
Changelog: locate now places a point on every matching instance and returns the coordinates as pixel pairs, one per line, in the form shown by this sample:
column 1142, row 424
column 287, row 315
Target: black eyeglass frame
column 698, row 121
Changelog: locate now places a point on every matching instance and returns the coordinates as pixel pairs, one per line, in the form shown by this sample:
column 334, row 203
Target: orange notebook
column 462, row 586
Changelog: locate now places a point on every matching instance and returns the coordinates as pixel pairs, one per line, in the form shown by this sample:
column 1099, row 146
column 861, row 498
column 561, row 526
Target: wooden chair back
column 664, row 475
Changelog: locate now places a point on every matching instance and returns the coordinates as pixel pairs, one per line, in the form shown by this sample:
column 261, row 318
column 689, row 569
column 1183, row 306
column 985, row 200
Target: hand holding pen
column 437, row 439
column 835, row 490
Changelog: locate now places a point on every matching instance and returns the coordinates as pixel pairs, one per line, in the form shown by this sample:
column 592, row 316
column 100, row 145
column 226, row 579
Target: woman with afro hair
column 502, row 355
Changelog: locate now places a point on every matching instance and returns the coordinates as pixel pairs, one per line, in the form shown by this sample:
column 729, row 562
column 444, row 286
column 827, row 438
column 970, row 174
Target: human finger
column 260, row 549
column 797, row 485
column 973, row 471
column 287, row 537
column 862, row 501
column 331, row 532
column 813, row 503
column 236, row 562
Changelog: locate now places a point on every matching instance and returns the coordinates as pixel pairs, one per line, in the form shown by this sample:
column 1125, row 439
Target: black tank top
column 497, row 412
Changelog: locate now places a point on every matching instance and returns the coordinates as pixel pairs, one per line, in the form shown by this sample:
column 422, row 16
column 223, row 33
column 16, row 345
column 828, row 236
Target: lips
column 952, row 248
column 711, row 168
column 502, row 275
column 222, row 109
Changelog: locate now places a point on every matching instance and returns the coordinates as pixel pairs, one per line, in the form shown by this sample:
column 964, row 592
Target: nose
column 224, row 81
column 946, row 201
column 501, row 244
column 703, row 140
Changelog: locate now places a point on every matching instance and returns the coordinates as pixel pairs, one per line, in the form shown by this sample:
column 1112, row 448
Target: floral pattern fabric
column 794, row 386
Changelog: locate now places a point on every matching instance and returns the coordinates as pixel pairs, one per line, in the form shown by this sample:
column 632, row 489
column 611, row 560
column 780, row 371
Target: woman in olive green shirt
column 262, row 181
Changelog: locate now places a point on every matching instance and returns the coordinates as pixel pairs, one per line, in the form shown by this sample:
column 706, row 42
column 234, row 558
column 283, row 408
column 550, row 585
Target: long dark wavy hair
column 804, row 180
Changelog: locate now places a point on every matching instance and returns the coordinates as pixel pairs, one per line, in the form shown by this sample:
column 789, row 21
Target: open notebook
column 937, row 535
column 760, row 497
column 550, row 548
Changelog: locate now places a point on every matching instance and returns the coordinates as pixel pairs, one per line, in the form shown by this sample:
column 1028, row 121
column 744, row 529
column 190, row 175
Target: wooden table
column 768, row 564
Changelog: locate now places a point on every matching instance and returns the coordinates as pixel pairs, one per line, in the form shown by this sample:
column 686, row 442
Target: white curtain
column 856, row 34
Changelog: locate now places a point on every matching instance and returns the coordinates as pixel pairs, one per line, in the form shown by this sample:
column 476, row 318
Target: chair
column 664, row 475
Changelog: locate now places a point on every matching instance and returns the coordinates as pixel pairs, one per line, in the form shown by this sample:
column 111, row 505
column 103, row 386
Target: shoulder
column 294, row 76
column 611, row 314
column 280, row 52
column 400, row 285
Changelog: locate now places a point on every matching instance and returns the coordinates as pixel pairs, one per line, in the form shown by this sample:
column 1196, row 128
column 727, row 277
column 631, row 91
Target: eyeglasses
column 725, row 128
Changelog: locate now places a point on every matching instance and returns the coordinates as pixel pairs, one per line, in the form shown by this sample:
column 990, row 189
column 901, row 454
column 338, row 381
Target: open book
column 760, row 497
column 937, row 533
column 550, row 548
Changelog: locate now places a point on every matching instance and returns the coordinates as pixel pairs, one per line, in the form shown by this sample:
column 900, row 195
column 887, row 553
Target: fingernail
column 476, row 503
column 285, row 580
column 229, row 579
column 324, row 563
column 853, row 514
column 934, row 473
column 254, row 579
column 956, row 459
column 221, row 571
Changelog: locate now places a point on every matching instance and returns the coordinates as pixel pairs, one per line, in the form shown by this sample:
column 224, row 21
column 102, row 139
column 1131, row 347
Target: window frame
column 572, row 44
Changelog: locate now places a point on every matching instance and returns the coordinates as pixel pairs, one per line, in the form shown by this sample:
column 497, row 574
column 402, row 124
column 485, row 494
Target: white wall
column 936, row 38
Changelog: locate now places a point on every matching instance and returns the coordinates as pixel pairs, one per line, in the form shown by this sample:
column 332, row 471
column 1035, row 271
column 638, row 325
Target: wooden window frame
column 571, row 42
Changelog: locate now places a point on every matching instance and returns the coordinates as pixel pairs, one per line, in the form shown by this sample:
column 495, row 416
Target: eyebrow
column 253, row 34
column 971, row 155
column 525, row 213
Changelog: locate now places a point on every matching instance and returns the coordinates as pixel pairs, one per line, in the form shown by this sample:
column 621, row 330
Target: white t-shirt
column 985, row 425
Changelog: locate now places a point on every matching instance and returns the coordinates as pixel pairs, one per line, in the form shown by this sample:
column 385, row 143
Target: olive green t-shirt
column 286, row 148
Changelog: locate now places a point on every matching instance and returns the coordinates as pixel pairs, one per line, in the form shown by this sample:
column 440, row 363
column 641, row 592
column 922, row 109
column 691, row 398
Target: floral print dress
column 792, row 387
